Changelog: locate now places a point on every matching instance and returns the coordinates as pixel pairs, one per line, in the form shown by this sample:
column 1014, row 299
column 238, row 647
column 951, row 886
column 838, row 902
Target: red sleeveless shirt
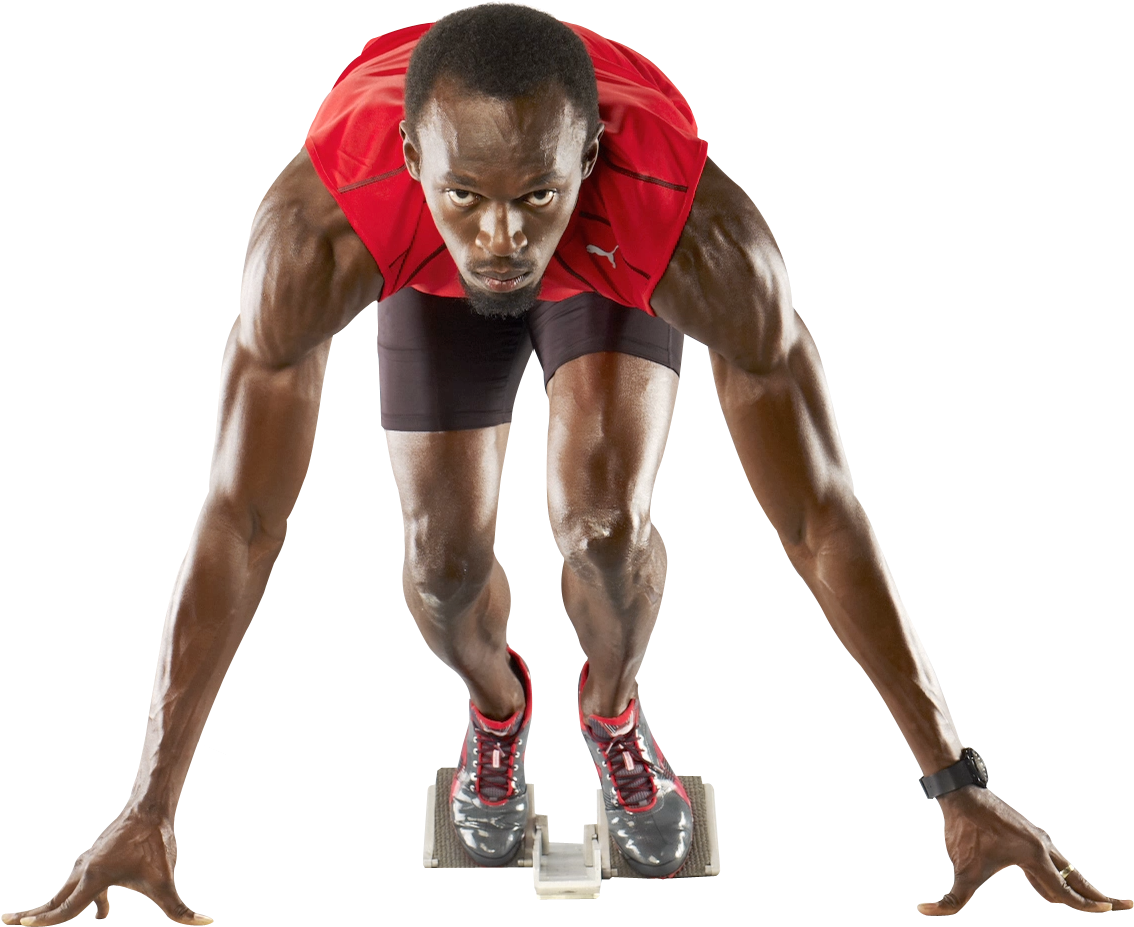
column 630, row 212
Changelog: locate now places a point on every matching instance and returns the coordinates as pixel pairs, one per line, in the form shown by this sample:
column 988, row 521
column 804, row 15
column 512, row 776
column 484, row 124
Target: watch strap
column 963, row 772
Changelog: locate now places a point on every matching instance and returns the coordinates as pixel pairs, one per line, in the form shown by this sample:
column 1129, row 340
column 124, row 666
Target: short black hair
column 505, row 51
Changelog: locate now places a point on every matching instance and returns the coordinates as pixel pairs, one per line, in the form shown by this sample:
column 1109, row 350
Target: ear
column 590, row 153
column 410, row 152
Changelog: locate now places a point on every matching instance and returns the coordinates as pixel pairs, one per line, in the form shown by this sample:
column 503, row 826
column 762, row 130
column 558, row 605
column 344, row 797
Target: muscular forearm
column 845, row 571
column 784, row 431
column 217, row 591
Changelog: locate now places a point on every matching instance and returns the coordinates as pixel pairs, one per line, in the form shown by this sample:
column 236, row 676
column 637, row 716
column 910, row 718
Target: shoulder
column 726, row 284
column 306, row 272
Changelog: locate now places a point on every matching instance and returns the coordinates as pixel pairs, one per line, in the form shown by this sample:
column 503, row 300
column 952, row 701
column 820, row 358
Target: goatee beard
column 511, row 305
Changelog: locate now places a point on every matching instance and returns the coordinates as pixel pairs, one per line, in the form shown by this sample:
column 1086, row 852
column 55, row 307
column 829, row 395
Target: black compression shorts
column 442, row 367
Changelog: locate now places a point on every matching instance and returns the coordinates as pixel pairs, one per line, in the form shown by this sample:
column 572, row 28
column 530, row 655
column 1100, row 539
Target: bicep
column 265, row 433
column 306, row 272
column 727, row 287
column 726, row 284
column 306, row 276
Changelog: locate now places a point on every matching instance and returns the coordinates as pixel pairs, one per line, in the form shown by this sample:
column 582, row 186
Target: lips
column 502, row 282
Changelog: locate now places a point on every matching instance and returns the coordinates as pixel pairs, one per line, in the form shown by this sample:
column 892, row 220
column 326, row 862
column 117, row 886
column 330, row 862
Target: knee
column 445, row 574
column 606, row 544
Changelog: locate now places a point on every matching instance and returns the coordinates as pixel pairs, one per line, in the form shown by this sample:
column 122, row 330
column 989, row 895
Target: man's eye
column 461, row 197
column 540, row 197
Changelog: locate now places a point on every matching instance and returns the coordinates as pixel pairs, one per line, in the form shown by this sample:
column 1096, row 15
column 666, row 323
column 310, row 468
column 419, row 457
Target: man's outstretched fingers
column 57, row 899
column 1046, row 880
column 1079, row 883
column 47, row 917
column 72, row 905
column 51, row 917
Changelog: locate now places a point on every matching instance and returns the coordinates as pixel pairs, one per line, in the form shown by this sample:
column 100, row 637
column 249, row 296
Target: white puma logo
column 609, row 255
column 629, row 725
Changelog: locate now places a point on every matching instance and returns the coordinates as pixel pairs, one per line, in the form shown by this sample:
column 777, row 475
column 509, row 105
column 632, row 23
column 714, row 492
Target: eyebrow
column 551, row 178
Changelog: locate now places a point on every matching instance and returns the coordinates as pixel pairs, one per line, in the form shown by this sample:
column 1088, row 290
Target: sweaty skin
column 307, row 275
column 501, row 179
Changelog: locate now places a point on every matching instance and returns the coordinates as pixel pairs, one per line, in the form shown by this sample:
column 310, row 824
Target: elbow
column 833, row 522
column 267, row 532
column 231, row 514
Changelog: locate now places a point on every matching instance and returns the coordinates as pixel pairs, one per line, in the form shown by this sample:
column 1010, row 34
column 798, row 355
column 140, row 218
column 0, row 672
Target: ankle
column 607, row 701
column 501, row 696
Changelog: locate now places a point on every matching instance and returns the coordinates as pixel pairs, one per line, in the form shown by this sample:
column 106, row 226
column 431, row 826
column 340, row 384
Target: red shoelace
column 495, row 754
column 631, row 773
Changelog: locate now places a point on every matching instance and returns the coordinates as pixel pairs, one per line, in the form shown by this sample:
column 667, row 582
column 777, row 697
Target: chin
column 501, row 305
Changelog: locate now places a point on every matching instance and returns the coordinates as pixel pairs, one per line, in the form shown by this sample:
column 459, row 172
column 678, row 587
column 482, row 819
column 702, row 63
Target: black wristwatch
column 968, row 770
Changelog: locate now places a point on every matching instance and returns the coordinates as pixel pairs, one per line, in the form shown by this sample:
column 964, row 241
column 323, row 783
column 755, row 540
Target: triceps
column 784, row 431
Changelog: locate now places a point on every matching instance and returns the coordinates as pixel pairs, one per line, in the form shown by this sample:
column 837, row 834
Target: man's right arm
column 306, row 276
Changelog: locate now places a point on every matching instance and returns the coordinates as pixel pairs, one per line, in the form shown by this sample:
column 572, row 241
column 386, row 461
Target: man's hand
column 984, row 835
column 136, row 851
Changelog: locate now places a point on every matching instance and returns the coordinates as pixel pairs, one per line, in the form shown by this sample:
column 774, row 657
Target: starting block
column 569, row 870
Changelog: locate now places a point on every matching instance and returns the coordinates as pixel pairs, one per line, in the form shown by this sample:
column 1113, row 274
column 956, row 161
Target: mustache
column 503, row 271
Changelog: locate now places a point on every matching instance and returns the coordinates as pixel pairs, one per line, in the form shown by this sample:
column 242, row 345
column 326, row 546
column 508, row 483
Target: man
column 762, row 352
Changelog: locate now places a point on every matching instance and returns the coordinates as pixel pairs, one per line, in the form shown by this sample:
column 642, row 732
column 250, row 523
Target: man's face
column 501, row 178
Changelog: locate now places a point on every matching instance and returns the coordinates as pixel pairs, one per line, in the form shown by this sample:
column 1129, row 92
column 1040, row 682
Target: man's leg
column 449, row 380
column 449, row 484
column 610, row 415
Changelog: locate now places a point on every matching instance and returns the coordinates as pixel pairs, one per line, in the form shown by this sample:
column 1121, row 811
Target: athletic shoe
column 489, row 797
column 647, row 810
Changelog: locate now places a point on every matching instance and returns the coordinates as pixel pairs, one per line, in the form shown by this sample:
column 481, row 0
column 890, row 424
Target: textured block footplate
column 569, row 870
column 704, row 855
column 443, row 848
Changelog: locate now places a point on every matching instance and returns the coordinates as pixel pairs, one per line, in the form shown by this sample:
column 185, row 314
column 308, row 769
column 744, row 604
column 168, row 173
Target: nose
column 501, row 231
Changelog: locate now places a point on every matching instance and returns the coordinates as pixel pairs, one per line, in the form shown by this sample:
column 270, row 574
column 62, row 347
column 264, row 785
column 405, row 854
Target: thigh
column 442, row 367
column 449, row 487
column 609, row 419
column 448, row 381
column 611, row 375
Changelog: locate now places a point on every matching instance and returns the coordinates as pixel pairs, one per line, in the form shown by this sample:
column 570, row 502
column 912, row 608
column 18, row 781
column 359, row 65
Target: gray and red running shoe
column 489, row 797
column 647, row 811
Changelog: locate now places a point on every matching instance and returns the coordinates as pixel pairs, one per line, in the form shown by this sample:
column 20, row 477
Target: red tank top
column 631, row 209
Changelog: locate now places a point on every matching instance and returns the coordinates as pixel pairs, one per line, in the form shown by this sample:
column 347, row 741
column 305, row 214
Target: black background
column 928, row 270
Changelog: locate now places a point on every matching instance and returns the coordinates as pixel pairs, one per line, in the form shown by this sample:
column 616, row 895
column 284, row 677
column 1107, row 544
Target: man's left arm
column 727, row 287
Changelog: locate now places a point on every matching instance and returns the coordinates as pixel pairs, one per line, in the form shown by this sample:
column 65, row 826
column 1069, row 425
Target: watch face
column 976, row 764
